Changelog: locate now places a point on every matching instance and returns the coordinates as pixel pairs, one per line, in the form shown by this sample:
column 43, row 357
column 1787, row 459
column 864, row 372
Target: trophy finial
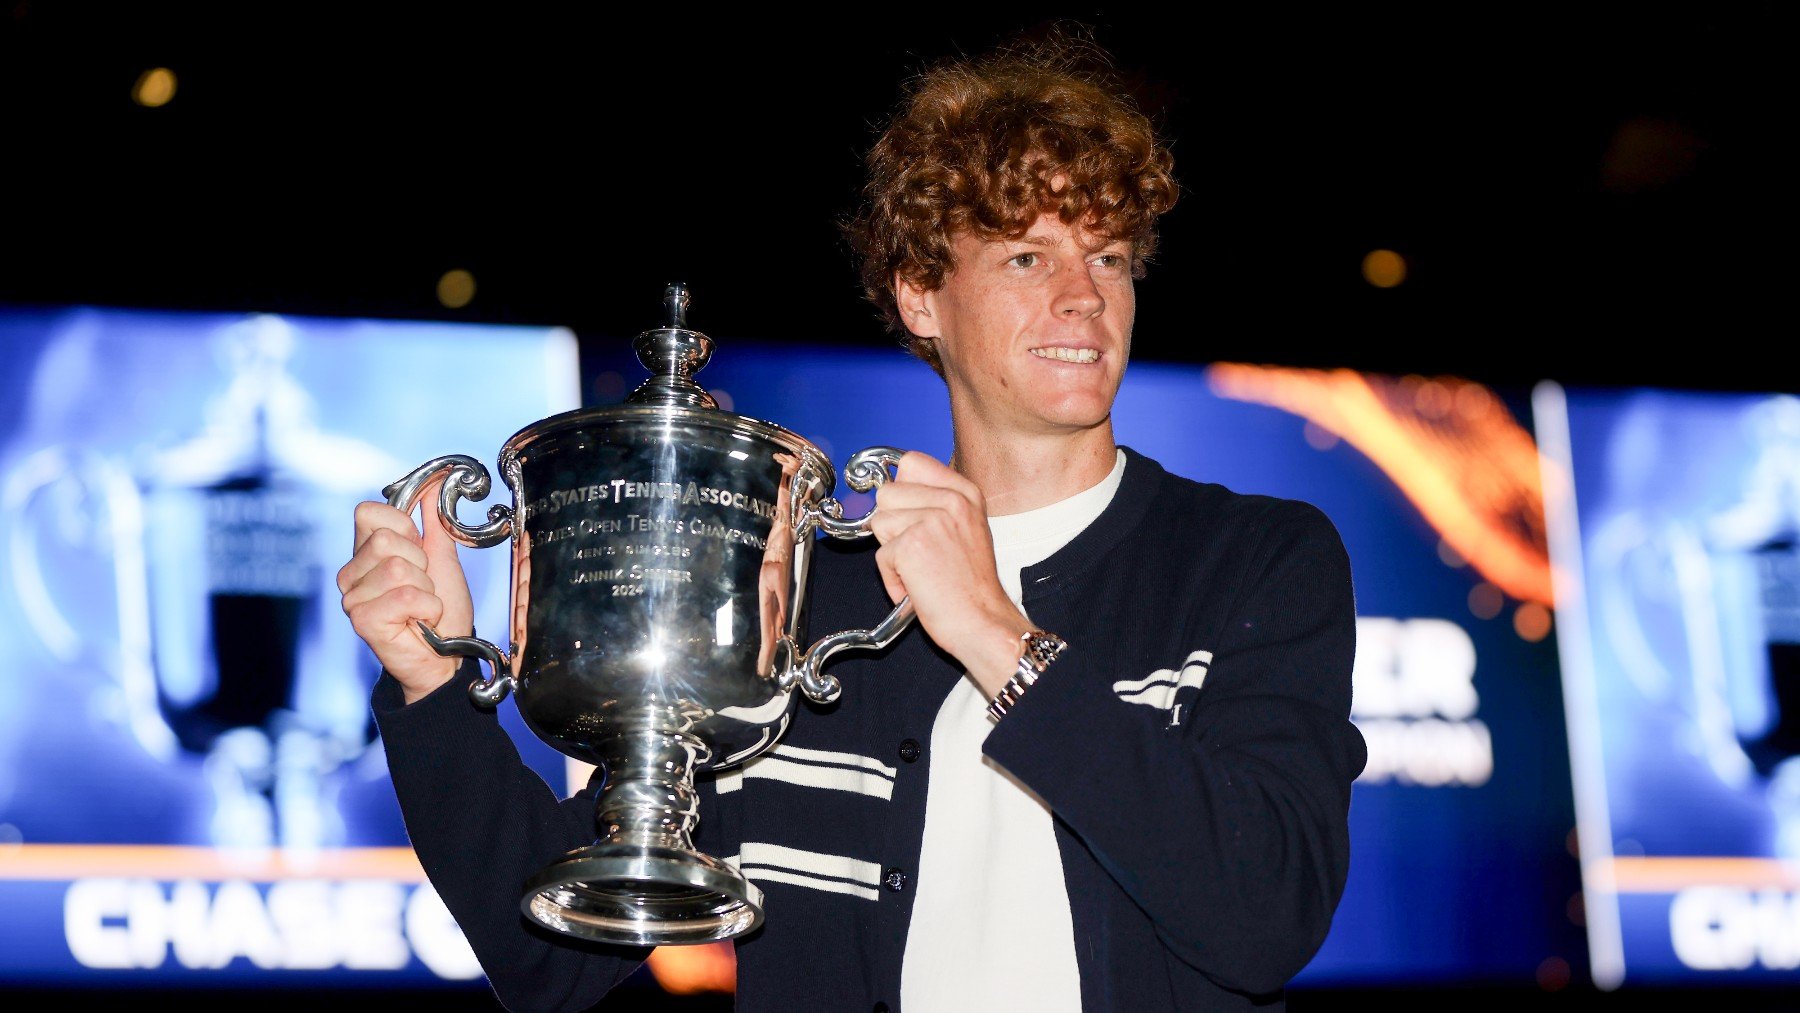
column 673, row 354
column 675, row 303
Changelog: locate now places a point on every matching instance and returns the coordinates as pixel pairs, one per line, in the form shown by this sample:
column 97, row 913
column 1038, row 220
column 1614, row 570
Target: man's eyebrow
column 1038, row 239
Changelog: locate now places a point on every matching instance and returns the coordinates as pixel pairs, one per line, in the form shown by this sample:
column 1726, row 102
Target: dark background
column 1587, row 193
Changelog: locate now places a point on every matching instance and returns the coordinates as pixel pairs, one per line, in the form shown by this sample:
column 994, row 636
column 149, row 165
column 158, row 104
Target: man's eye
column 1024, row 260
column 1111, row 261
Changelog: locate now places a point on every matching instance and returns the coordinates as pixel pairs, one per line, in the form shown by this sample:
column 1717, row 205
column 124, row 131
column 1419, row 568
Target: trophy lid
column 673, row 354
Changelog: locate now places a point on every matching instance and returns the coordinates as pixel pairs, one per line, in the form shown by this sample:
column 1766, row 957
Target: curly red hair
column 976, row 147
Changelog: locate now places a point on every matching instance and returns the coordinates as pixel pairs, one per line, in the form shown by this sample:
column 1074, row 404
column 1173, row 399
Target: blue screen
column 179, row 490
column 190, row 790
column 1679, row 542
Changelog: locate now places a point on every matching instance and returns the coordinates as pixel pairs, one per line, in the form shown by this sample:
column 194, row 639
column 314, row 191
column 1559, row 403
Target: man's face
column 1033, row 333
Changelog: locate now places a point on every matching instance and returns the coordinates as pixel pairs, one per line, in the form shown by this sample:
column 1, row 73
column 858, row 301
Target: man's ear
column 917, row 310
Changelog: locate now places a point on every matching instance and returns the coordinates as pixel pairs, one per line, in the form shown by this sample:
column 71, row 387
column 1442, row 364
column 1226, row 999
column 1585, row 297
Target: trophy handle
column 35, row 476
column 867, row 469
column 823, row 688
column 464, row 477
column 113, row 489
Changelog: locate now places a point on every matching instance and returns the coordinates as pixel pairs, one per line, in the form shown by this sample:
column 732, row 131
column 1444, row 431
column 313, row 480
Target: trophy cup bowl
column 659, row 558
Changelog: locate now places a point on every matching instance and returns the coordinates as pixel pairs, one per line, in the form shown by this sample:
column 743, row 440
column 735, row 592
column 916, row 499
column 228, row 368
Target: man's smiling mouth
column 1068, row 354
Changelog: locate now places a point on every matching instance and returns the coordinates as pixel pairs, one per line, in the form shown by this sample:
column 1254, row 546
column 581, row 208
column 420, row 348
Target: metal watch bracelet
column 1037, row 650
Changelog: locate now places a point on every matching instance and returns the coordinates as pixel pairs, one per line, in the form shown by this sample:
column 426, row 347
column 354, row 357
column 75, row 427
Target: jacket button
column 894, row 879
column 909, row 750
column 881, row 1007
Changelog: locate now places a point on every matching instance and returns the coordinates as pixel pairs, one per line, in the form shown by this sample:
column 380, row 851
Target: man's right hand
column 397, row 576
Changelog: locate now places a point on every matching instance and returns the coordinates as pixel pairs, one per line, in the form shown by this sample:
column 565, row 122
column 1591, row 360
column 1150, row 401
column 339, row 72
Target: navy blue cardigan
column 1194, row 744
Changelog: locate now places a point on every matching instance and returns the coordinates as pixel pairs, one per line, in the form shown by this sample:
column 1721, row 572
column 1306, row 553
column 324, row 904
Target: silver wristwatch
column 1037, row 650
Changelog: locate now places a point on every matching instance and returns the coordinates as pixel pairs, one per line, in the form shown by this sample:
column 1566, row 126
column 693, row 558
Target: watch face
column 1043, row 648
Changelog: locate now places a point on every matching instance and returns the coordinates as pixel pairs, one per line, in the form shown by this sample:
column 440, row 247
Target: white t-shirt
column 991, row 928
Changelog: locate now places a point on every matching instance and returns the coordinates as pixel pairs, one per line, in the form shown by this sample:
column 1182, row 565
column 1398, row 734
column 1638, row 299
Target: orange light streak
column 169, row 862
column 1448, row 444
column 1642, row 874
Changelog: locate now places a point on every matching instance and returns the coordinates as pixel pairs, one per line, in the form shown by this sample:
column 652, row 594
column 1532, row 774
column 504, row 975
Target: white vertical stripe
column 1581, row 701
column 1193, row 675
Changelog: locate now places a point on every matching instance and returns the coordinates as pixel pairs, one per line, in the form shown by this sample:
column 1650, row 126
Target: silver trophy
column 659, row 559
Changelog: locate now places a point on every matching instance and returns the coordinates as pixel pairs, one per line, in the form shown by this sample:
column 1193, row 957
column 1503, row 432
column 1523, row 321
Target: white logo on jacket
column 1160, row 688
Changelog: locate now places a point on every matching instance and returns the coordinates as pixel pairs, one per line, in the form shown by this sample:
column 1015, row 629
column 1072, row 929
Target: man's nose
column 1077, row 295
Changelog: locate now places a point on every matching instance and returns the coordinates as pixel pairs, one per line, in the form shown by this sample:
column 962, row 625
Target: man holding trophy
column 1110, row 769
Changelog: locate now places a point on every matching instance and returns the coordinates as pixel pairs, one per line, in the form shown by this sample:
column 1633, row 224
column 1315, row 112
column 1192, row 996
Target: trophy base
column 642, row 896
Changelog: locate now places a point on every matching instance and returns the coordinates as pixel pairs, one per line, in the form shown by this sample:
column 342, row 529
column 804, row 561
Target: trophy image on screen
column 224, row 648
column 659, row 559
column 267, row 691
column 1702, row 604
column 1753, row 573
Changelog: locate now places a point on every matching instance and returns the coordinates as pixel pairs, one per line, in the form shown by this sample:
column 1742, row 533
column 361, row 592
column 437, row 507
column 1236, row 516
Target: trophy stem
column 649, row 797
column 644, row 883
